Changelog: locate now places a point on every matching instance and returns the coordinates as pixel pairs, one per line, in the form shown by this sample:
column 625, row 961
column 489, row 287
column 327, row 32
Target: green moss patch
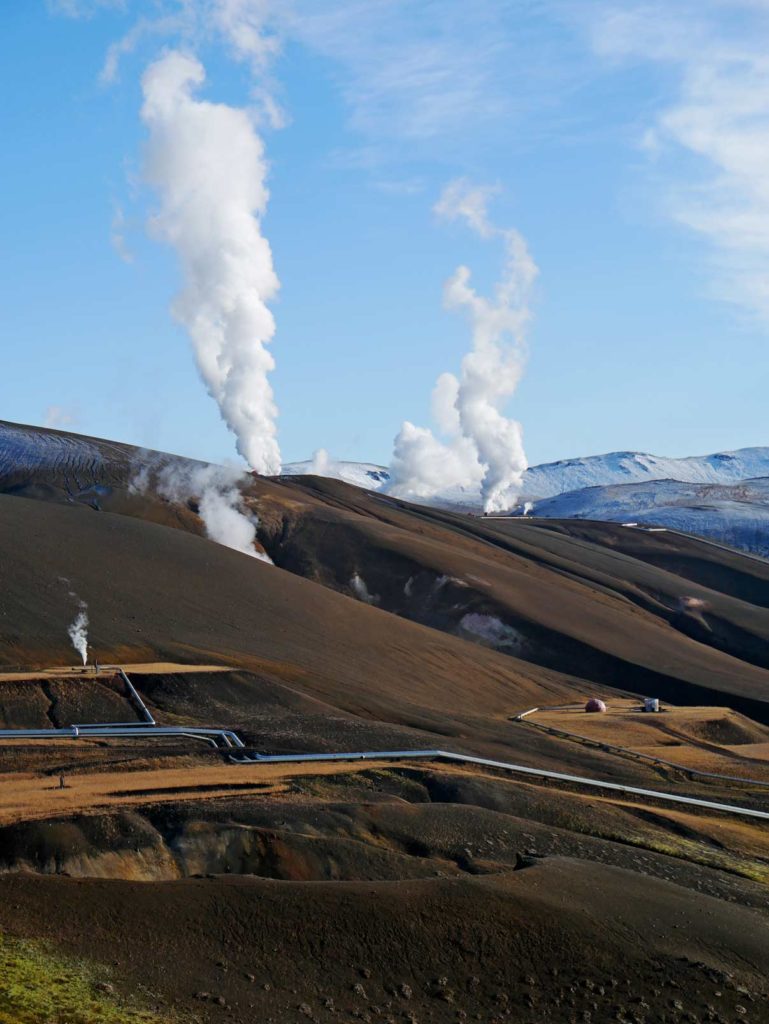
column 39, row 986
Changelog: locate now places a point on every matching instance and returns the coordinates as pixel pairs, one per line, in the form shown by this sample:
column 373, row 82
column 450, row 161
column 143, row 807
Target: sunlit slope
column 155, row 592
column 603, row 606
column 580, row 606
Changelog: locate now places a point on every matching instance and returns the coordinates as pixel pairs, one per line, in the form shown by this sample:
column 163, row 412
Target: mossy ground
column 39, row 986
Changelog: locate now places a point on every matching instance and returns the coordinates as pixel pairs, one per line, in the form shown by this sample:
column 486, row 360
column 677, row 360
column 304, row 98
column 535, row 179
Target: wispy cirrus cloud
column 415, row 71
column 83, row 8
column 414, row 74
column 710, row 134
column 117, row 234
column 423, row 78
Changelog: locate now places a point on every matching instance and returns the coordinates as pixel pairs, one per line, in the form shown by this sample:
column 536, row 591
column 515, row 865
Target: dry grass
column 29, row 796
column 678, row 735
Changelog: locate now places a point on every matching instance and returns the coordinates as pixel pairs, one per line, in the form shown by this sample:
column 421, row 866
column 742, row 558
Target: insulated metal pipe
column 542, row 773
column 228, row 738
column 144, row 711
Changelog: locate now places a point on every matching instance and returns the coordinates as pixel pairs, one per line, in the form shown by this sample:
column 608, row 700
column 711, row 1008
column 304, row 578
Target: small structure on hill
column 651, row 704
column 595, row 705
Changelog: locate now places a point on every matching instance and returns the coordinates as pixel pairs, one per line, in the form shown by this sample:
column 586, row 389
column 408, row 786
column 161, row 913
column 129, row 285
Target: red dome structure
column 594, row 704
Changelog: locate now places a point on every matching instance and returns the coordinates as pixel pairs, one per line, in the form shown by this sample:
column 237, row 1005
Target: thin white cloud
column 247, row 26
column 414, row 71
column 409, row 71
column 59, row 416
column 417, row 75
column 83, row 8
column 400, row 186
column 117, row 235
column 711, row 139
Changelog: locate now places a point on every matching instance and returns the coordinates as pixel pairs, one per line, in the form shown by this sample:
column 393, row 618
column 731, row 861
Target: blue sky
column 629, row 148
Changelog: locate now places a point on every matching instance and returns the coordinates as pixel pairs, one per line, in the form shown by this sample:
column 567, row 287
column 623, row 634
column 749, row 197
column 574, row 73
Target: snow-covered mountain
column 724, row 496
column 733, row 514
column 553, row 478
column 361, row 474
column 376, row 478
column 24, row 448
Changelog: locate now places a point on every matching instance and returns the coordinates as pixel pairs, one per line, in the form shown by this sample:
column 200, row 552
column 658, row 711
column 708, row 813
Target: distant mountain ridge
column 723, row 496
column 27, row 447
column 553, row 478
column 361, row 474
column 733, row 514
column 728, row 467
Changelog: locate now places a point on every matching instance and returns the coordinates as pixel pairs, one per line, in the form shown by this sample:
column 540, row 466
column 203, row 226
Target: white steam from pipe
column 206, row 162
column 484, row 450
column 78, row 632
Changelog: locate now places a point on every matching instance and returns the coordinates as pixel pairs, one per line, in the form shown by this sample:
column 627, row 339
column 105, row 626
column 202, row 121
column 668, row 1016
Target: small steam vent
column 595, row 705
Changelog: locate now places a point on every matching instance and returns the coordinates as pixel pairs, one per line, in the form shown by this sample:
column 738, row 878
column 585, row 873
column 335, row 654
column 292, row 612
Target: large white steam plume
column 226, row 519
column 484, row 449
column 78, row 632
column 207, row 163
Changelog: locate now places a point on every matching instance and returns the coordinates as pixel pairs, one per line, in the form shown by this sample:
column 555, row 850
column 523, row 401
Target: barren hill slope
column 374, row 891
column 664, row 615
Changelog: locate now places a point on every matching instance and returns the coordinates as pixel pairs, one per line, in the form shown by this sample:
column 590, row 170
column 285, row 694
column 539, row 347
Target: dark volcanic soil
column 587, row 603
column 418, row 893
column 559, row 941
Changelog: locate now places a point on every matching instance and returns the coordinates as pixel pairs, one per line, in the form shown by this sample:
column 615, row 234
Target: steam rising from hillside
column 206, row 162
column 321, row 463
column 78, row 632
column 220, row 504
column 484, row 449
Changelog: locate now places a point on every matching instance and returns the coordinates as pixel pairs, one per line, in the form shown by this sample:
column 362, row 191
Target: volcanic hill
column 412, row 890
